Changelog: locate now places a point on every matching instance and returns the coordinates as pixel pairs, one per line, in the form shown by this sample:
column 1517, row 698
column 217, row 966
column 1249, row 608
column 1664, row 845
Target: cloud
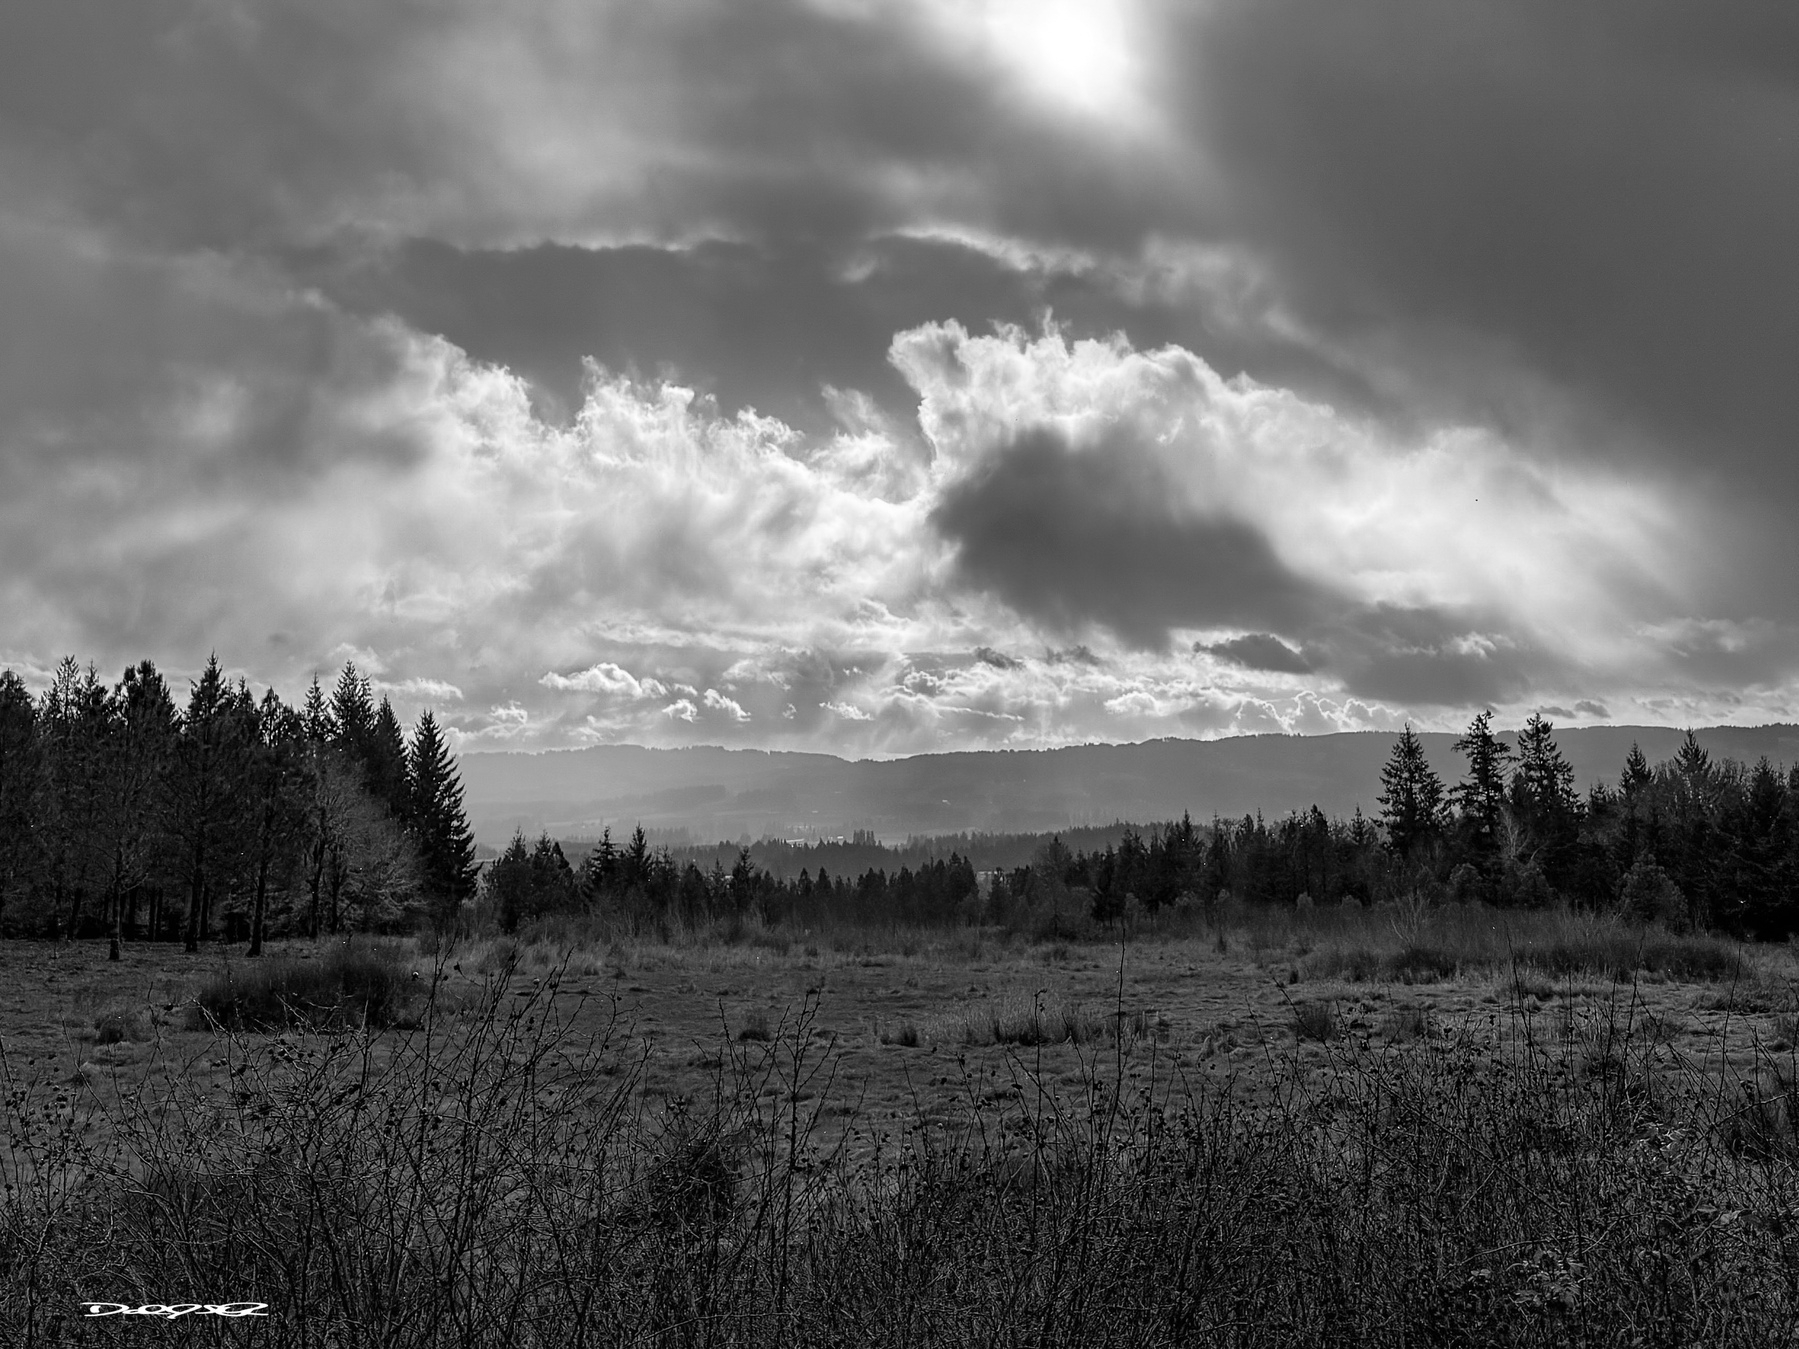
column 1520, row 211
column 608, row 679
column 397, row 502
column 1075, row 536
column 1258, row 651
column 419, row 689
column 717, row 702
column 999, row 660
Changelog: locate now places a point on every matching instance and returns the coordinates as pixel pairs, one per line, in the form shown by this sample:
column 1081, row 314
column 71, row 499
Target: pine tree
column 599, row 874
column 209, row 789
column 138, row 756
column 446, row 845
column 1480, row 796
column 387, row 779
column 21, row 769
column 280, row 811
column 1636, row 775
column 508, row 884
column 1412, row 799
column 1544, row 781
column 353, row 715
column 319, row 726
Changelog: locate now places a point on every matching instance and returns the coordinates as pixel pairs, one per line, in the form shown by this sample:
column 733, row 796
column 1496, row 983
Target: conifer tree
column 446, row 846
column 21, row 768
column 387, row 777
column 278, row 766
column 319, row 726
column 1412, row 796
column 353, row 716
column 74, row 724
column 208, row 788
column 1480, row 796
column 138, row 758
column 1543, row 784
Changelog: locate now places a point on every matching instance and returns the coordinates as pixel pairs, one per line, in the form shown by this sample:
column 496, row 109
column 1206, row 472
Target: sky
column 887, row 376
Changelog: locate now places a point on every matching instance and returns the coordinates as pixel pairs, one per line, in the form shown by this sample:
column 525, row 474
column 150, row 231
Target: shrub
column 1650, row 895
column 1315, row 1021
column 119, row 1021
column 755, row 1026
column 905, row 1035
column 351, row 983
column 1424, row 963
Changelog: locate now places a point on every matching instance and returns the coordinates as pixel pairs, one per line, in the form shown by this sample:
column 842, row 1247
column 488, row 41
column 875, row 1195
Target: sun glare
column 1075, row 54
column 1076, row 51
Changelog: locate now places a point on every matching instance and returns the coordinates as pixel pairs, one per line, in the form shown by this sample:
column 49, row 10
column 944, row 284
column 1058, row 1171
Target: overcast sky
column 891, row 375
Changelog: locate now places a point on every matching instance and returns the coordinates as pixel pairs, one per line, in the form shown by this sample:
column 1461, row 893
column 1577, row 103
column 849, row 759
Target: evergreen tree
column 353, row 717
column 139, row 753
column 1543, row 784
column 1757, row 870
column 507, row 884
column 276, row 775
column 387, row 778
column 445, row 844
column 1412, row 796
column 21, row 782
column 1544, row 802
column 75, row 724
column 209, row 794
column 1480, row 796
column 1636, row 776
column 316, row 721
column 599, row 874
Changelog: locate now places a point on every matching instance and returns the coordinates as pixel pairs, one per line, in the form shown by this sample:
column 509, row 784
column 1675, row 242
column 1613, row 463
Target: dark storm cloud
column 1430, row 656
column 755, row 325
column 1259, row 651
column 763, row 325
column 1604, row 196
column 999, row 660
column 1088, row 536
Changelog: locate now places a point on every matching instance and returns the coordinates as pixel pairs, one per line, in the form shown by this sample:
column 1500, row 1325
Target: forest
column 128, row 815
column 1691, row 843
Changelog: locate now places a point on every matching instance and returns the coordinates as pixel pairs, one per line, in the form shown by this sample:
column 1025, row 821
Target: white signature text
column 170, row 1310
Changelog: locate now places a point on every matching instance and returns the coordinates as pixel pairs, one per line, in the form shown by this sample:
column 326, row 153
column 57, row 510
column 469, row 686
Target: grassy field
column 1328, row 1127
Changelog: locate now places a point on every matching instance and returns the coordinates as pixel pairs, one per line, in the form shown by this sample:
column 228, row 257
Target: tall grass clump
column 1445, row 943
column 348, row 983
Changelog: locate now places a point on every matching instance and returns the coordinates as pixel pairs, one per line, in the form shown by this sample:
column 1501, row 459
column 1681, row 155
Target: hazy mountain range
column 728, row 793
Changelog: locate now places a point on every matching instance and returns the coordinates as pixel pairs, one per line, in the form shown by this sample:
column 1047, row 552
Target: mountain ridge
column 715, row 792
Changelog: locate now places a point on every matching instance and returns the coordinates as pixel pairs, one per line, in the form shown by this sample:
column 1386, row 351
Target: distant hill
column 723, row 794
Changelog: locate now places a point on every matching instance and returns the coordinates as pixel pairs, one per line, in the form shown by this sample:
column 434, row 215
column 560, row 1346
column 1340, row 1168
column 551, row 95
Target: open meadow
column 1334, row 1126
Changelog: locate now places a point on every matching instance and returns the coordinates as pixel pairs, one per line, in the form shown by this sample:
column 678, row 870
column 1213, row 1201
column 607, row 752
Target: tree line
column 1690, row 842
column 126, row 814
column 649, row 885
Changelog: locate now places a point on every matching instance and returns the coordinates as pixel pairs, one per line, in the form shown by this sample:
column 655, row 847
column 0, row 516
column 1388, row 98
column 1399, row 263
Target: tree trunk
column 195, row 895
column 262, row 896
column 337, row 890
column 318, row 875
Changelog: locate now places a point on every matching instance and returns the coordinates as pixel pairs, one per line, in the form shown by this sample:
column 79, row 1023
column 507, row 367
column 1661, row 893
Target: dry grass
column 492, row 1178
column 945, row 1136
